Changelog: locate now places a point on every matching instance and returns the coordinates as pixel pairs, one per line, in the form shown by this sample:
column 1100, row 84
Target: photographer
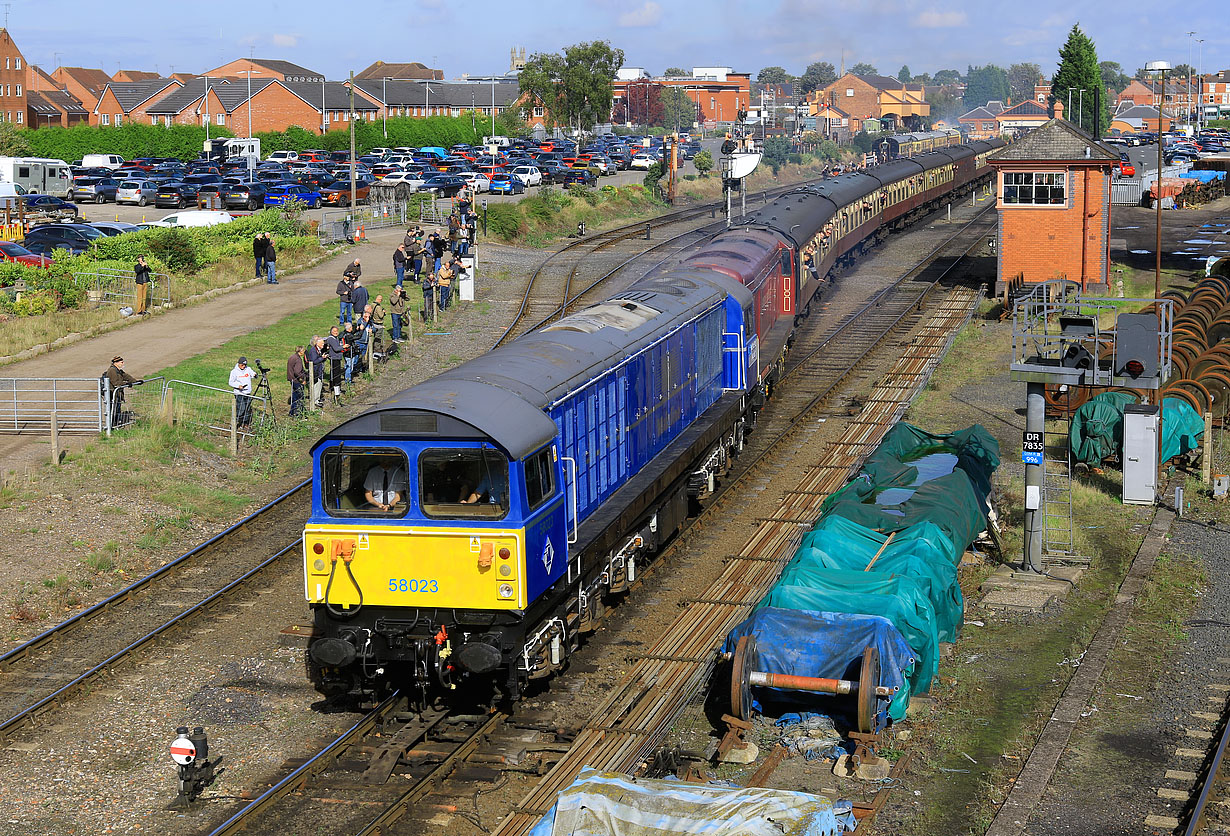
column 241, row 385
column 119, row 380
column 296, row 375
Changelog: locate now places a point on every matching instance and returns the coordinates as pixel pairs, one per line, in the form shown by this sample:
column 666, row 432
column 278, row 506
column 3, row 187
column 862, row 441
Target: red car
column 11, row 251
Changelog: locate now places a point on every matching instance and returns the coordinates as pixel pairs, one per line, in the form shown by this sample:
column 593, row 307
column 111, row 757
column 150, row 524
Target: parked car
column 642, row 161
column 528, row 174
column 283, row 156
column 139, row 192
column 1126, row 169
column 175, row 194
column 194, row 217
column 279, row 194
column 584, row 176
column 413, row 179
column 95, row 189
column 507, row 184
column 113, row 228
column 476, row 181
column 244, row 196
column 445, row 185
column 338, row 193
column 12, row 251
column 74, row 238
column 48, row 203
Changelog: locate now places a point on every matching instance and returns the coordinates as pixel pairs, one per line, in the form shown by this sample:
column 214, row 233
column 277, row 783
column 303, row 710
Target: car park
column 528, row 174
column 16, row 253
column 584, row 176
column 413, row 179
column 506, row 184
column 280, row 194
column 74, row 238
column 642, row 161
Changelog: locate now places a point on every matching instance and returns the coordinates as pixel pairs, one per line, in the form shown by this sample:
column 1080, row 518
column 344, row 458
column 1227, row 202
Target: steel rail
column 129, row 591
column 28, row 714
column 319, row 762
column 1195, row 819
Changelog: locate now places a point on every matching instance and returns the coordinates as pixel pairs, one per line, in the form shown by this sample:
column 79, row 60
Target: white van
column 195, row 217
column 9, row 193
column 39, row 175
column 102, row 161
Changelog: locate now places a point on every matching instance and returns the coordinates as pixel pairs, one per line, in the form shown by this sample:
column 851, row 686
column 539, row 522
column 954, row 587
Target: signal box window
column 539, row 479
column 365, row 482
column 1035, row 188
column 463, row 483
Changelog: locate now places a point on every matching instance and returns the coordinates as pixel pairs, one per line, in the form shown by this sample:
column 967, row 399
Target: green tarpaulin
column 1182, row 428
column 1097, row 428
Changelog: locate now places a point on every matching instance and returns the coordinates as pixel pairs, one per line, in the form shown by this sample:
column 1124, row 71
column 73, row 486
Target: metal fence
column 131, row 402
column 1126, row 192
column 342, row 224
column 27, row 404
column 217, row 410
column 114, row 286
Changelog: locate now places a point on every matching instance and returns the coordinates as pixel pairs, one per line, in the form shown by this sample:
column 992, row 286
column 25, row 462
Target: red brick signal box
column 1053, row 200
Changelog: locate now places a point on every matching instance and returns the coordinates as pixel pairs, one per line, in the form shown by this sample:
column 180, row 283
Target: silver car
column 139, row 192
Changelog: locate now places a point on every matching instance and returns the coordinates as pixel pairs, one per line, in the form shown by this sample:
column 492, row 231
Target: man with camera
column 241, row 385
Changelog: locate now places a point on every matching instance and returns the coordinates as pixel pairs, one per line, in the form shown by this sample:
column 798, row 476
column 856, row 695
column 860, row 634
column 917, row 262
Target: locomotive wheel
column 740, row 678
column 868, row 681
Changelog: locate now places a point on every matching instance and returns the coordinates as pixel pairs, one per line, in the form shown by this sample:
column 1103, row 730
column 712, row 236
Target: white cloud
column 932, row 19
column 285, row 40
column 648, row 14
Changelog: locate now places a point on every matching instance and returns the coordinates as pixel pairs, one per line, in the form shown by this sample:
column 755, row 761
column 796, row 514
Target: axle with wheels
column 867, row 689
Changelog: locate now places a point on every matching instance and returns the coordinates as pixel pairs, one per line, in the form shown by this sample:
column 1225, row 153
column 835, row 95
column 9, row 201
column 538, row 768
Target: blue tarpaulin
column 825, row 644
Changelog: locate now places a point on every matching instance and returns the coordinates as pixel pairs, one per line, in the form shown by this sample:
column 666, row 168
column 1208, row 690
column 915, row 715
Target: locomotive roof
column 503, row 394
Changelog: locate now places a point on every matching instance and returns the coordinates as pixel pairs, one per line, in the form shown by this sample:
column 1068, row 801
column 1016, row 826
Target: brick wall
column 274, row 108
column 12, row 81
column 1046, row 243
column 864, row 102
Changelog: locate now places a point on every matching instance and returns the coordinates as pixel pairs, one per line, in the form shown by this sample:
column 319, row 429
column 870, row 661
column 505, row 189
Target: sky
column 474, row 36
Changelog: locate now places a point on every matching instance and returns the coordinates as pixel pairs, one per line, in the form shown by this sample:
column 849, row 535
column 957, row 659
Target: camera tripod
column 261, row 390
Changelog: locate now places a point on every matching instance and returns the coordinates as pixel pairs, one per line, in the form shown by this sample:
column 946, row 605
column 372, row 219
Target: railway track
column 45, row 672
column 1201, row 818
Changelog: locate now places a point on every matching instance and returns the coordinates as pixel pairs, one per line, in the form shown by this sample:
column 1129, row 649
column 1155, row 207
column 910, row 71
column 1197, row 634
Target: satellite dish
column 742, row 165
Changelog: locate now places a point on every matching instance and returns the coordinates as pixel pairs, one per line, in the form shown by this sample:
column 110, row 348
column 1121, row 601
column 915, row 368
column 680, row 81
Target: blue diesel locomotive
column 467, row 530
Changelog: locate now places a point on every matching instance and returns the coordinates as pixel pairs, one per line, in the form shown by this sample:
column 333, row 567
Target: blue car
column 282, row 193
column 506, row 184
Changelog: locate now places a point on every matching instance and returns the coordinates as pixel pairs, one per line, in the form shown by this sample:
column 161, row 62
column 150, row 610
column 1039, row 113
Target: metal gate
column 27, row 404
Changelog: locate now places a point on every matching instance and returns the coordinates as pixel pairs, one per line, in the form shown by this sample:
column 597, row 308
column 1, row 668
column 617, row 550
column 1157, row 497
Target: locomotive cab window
column 539, row 479
column 463, row 483
column 365, row 482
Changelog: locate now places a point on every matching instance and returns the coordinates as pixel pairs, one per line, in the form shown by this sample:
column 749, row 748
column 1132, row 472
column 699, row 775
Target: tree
column 509, row 122
column 1113, row 76
column 703, row 162
column 1021, row 81
column 944, row 102
column 773, row 75
column 947, row 77
column 13, row 141
column 862, row 68
column 674, row 71
column 903, row 74
column 576, row 87
column 923, row 78
column 1182, row 71
column 678, row 110
column 641, row 104
column 818, row 74
column 776, row 152
column 984, row 84
column 1079, row 70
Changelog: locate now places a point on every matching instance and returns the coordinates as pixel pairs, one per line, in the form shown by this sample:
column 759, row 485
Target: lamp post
column 1199, row 81
column 384, row 101
column 1080, row 108
column 1159, row 67
column 249, row 73
column 206, row 108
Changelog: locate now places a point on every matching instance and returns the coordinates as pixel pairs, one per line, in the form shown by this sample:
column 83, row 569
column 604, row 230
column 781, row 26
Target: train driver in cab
column 386, row 485
column 491, row 489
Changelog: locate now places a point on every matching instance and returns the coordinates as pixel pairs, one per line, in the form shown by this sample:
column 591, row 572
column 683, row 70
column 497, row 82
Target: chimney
column 1058, row 109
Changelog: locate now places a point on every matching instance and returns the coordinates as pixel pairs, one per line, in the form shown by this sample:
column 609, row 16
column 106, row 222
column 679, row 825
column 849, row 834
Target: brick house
column 421, row 99
column 979, row 123
column 719, row 91
column 1137, row 93
column 46, row 108
column 876, row 97
column 266, row 68
column 12, row 81
column 1130, row 118
column 1053, row 199
column 1023, row 116
column 135, row 75
column 126, row 101
column 82, row 83
column 275, row 105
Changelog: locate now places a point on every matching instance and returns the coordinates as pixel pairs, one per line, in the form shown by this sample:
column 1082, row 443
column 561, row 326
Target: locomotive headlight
column 318, row 565
column 505, row 570
column 506, row 590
